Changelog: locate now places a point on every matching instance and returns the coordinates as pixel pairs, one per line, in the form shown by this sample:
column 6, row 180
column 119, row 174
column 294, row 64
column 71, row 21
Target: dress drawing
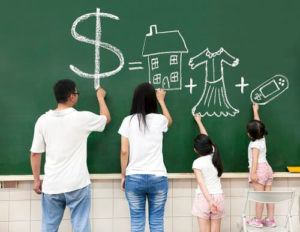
column 214, row 100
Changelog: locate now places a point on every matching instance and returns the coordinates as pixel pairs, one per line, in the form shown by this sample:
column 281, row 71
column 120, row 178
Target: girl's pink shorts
column 264, row 174
column 201, row 207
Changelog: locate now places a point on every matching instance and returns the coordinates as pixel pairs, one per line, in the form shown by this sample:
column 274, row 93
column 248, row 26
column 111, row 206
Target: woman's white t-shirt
column 259, row 144
column 209, row 174
column 145, row 144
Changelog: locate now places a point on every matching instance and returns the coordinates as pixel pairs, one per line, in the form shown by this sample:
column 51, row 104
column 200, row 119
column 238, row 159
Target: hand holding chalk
column 160, row 94
column 197, row 118
column 101, row 93
column 255, row 107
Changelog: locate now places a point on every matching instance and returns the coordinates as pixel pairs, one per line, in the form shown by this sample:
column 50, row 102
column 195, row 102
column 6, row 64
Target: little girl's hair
column 204, row 146
column 256, row 129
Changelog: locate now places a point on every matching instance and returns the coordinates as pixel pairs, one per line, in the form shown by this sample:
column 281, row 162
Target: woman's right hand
column 160, row 95
column 123, row 183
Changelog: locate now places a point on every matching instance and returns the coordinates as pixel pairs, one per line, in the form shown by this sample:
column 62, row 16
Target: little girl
column 260, row 172
column 208, row 204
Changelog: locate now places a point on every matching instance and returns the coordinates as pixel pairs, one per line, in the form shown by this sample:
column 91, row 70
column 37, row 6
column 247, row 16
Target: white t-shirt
column 145, row 155
column 209, row 174
column 260, row 144
column 63, row 136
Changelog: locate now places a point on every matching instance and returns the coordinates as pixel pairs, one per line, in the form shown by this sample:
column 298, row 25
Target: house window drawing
column 174, row 77
column 173, row 59
column 157, row 79
column 154, row 63
column 164, row 53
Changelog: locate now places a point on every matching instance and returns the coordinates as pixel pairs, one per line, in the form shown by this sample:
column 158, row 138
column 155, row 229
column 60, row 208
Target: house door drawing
column 165, row 83
column 214, row 100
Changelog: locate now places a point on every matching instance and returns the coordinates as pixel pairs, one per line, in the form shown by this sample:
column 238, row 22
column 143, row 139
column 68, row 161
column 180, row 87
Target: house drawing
column 164, row 52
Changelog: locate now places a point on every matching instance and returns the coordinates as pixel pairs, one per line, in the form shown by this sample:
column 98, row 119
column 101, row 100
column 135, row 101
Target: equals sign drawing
column 136, row 65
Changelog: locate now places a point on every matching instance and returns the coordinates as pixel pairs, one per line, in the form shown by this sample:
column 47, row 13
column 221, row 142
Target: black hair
column 144, row 102
column 204, row 146
column 63, row 89
column 256, row 130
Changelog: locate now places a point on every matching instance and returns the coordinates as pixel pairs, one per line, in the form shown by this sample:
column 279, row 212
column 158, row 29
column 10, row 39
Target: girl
column 208, row 204
column 261, row 174
column 143, row 169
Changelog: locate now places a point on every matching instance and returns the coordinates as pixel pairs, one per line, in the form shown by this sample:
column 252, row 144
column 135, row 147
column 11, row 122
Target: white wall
column 20, row 209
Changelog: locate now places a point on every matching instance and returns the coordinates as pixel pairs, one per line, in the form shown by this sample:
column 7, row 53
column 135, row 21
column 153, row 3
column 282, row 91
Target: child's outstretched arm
column 160, row 95
column 255, row 108
column 200, row 182
column 198, row 120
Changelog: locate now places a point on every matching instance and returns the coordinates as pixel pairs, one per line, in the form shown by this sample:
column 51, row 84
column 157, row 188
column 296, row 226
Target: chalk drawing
column 164, row 51
column 135, row 65
column 270, row 89
column 97, row 43
column 214, row 100
column 242, row 85
column 191, row 85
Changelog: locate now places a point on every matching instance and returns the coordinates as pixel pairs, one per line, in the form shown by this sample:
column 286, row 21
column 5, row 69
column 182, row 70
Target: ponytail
column 204, row 146
column 216, row 160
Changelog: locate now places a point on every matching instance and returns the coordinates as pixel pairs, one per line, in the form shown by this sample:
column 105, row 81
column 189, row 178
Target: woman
column 144, row 174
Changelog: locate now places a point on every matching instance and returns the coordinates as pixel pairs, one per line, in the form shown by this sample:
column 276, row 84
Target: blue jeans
column 138, row 188
column 79, row 202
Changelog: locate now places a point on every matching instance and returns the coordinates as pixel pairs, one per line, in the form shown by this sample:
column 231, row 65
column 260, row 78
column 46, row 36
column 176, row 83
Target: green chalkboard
column 255, row 41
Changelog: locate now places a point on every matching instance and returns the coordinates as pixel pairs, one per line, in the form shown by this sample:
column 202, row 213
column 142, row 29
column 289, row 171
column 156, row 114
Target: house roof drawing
column 163, row 42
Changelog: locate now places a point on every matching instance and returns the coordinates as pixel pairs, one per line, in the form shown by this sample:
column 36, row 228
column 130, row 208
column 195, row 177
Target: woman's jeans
column 155, row 189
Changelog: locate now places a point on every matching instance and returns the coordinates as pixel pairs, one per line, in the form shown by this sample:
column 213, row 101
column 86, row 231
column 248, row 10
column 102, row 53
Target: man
column 62, row 133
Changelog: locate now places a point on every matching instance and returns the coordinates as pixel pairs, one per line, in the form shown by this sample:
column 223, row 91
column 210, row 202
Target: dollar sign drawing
column 98, row 43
